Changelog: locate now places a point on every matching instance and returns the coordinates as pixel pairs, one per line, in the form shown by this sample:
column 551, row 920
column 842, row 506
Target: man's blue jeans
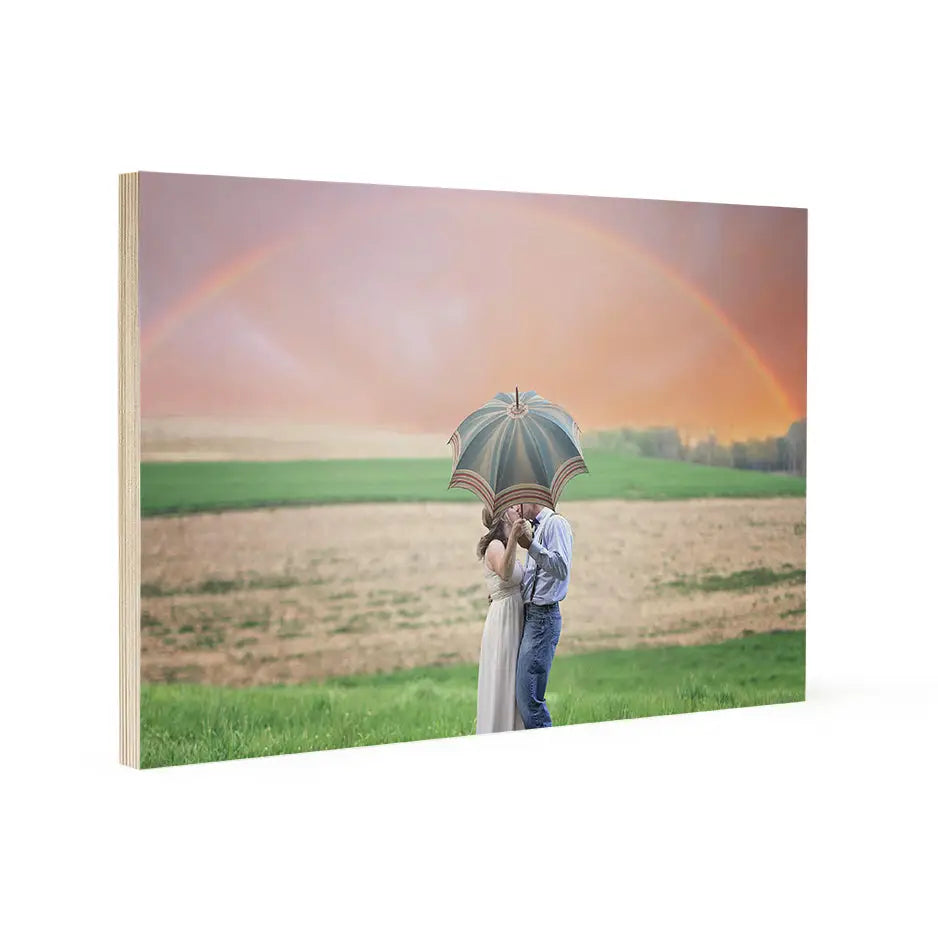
column 540, row 637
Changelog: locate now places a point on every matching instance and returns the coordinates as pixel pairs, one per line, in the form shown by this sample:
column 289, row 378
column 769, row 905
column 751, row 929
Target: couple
column 523, row 624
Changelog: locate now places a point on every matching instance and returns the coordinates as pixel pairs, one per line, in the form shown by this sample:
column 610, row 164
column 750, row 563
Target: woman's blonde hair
column 495, row 531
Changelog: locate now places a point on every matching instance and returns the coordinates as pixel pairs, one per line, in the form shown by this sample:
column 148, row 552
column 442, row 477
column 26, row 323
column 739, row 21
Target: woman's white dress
column 501, row 638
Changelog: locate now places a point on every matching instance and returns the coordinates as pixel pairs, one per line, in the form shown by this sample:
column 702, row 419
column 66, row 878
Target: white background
column 803, row 819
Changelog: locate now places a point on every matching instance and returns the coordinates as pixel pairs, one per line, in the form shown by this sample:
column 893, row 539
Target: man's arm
column 554, row 555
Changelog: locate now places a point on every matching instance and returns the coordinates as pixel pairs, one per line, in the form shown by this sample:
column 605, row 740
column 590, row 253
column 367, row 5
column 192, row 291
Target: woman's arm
column 511, row 551
column 501, row 559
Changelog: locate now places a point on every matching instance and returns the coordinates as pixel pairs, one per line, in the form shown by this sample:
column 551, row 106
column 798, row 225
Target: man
column 543, row 587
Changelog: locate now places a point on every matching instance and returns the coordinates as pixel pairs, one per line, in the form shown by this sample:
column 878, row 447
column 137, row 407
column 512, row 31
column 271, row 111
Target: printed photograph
column 421, row 463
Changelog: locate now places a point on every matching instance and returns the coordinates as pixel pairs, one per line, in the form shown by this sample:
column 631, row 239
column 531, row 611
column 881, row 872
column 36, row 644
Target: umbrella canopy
column 517, row 448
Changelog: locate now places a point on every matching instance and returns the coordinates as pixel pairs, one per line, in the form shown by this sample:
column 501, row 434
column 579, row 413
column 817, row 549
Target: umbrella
column 515, row 449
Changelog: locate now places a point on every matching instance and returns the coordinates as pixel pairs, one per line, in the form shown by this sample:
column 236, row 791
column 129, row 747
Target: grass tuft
column 215, row 586
column 738, row 580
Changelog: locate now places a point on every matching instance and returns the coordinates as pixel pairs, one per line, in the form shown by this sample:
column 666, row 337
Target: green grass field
column 186, row 487
column 185, row 723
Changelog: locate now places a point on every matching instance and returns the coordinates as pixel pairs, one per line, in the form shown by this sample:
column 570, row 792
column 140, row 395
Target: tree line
column 786, row 453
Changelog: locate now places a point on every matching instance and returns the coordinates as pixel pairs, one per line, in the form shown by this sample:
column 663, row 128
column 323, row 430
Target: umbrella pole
column 518, row 410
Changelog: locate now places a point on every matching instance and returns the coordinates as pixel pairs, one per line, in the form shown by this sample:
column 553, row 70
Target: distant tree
column 663, row 443
column 722, row 456
column 703, row 451
column 762, row 455
column 699, row 453
column 797, row 444
column 613, row 441
column 771, row 454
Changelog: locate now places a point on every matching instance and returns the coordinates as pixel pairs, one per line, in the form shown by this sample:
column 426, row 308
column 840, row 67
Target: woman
column 497, row 709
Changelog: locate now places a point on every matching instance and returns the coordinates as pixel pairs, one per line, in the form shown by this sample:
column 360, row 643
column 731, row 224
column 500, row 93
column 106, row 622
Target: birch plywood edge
column 129, row 470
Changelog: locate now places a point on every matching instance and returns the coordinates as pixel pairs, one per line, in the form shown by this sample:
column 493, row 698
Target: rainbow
column 216, row 283
column 675, row 277
column 223, row 278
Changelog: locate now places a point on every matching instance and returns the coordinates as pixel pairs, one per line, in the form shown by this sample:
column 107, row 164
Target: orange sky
column 407, row 308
